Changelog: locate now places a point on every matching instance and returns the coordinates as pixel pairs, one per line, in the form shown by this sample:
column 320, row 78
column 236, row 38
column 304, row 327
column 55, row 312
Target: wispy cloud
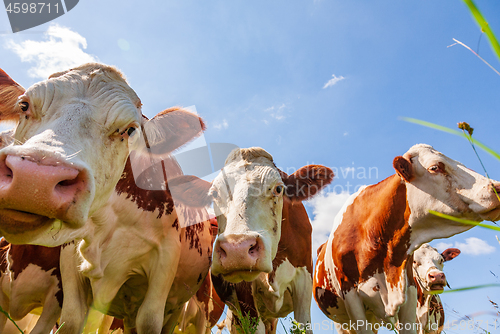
column 333, row 81
column 471, row 246
column 277, row 112
column 325, row 208
column 60, row 50
column 221, row 125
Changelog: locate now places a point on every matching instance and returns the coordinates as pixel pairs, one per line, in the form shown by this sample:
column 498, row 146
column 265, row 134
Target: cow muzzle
column 240, row 257
column 35, row 193
column 436, row 280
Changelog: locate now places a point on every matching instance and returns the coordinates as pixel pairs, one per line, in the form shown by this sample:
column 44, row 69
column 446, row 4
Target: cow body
column 430, row 280
column 364, row 273
column 262, row 263
column 30, row 280
column 204, row 309
column 68, row 176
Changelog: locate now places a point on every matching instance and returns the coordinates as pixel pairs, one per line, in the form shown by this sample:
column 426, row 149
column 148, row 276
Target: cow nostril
column 67, row 183
column 253, row 248
column 221, row 252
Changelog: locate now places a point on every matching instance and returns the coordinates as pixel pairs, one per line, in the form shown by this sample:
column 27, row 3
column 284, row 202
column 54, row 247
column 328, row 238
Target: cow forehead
column 252, row 167
column 427, row 155
column 244, row 175
column 427, row 255
column 94, row 84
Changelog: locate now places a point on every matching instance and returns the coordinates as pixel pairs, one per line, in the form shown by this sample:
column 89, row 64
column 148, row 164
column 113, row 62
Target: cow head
column 436, row 182
column 248, row 197
column 70, row 147
column 428, row 267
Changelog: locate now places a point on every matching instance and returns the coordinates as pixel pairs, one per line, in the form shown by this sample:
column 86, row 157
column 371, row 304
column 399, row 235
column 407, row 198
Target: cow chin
column 437, row 288
column 17, row 222
column 492, row 215
column 19, row 227
column 241, row 275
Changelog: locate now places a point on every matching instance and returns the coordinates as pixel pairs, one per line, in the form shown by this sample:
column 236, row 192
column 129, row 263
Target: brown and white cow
column 203, row 310
column 31, row 291
column 30, row 279
column 363, row 273
column 68, row 175
column 430, row 280
column 262, row 263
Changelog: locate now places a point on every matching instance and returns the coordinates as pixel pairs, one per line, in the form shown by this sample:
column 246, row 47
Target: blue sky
column 258, row 73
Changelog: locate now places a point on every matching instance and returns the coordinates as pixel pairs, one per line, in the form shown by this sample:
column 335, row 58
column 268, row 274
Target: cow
column 430, row 280
column 89, row 172
column 364, row 271
column 262, row 262
column 204, row 309
column 31, row 291
column 30, row 279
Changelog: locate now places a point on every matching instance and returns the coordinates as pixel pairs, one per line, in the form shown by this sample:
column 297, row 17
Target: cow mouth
column 241, row 275
column 16, row 222
column 437, row 287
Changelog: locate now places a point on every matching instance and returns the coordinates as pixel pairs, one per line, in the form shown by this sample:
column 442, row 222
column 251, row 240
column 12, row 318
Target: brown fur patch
column 295, row 242
column 323, row 290
column 137, row 190
column 374, row 235
column 211, row 301
column 46, row 258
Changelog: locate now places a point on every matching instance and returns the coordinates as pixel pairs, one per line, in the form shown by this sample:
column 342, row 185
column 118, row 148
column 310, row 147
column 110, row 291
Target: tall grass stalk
column 483, row 24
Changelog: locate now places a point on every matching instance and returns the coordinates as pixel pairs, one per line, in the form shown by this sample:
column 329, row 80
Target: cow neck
column 295, row 241
column 374, row 235
column 154, row 176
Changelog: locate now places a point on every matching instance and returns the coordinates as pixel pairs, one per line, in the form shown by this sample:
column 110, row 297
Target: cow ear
column 190, row 190
column 171, row 129
column 9, row 93
column 307, row 181
column 404, row 168
column 450, row 254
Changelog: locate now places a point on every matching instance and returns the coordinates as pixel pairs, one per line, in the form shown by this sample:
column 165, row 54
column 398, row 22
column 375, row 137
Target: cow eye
column 437, row 168
column 131, row 131
column 434, row 168
column 278, row 190
column 24, row 106
column 214, row 194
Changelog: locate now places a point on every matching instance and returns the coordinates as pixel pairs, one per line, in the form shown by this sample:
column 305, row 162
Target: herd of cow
column 102, row 229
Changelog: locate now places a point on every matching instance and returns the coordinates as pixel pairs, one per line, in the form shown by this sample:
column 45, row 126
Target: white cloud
column 325, row 208
column 475, row 246
column 442, row 246
column 61, row 50
column 333, row 81
column 277, row 112
column 471, row 246
column 222, row 125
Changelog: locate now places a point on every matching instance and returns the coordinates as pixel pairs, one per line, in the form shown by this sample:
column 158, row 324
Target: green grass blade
column 57, row 331
column 496, row 285
column 465, row 221
column 452, row 131
column 8, row 317
column 484, row 26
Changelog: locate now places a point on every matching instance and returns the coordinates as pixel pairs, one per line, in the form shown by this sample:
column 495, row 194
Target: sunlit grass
column 483, row 24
